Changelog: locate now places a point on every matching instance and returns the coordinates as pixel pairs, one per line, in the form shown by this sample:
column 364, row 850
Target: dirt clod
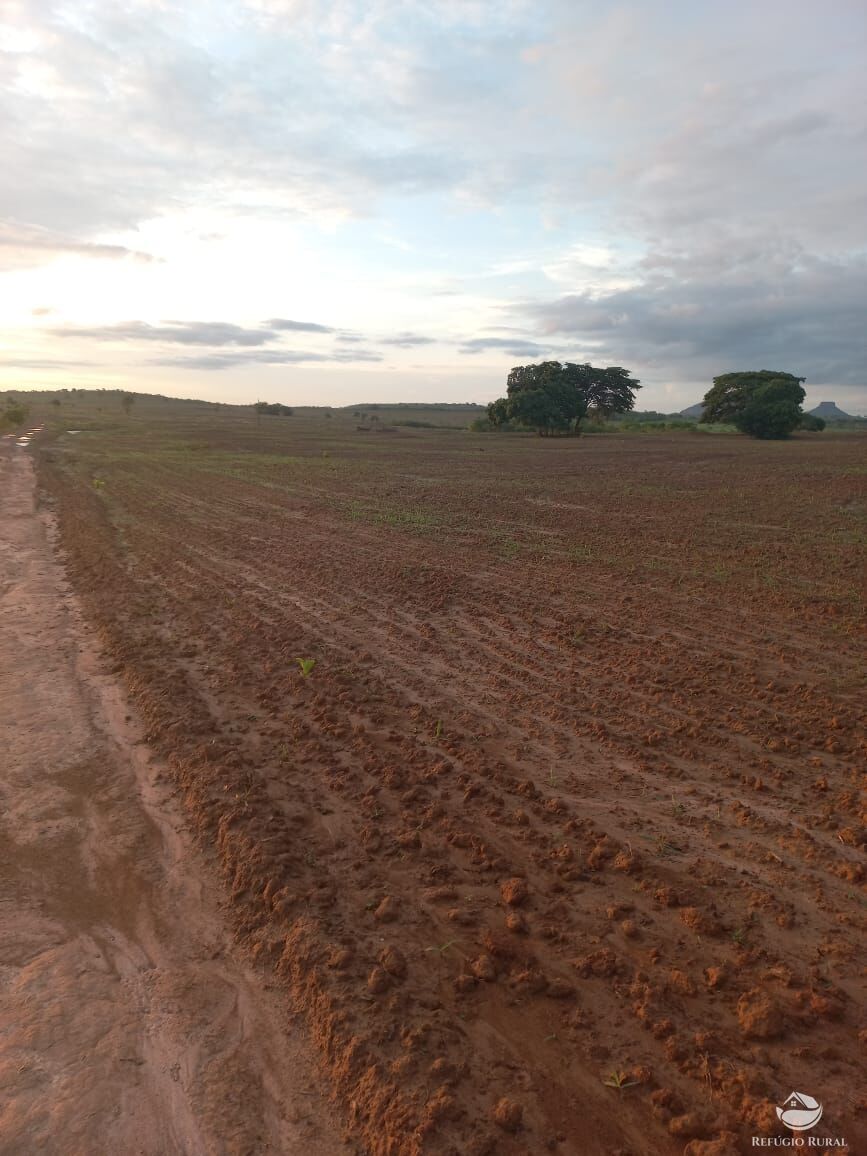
column 514, row 892
column 508, row 1115
column 393, row 961
column 759, row 1015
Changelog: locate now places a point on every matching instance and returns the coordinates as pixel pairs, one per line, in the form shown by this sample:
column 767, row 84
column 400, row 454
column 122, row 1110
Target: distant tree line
column 555, row 398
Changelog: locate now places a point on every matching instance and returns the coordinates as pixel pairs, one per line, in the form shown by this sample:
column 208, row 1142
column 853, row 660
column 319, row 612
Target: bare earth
column 126, row 1025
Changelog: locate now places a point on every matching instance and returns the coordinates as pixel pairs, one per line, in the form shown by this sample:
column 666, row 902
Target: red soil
column 128, row 1024
column 571, row 797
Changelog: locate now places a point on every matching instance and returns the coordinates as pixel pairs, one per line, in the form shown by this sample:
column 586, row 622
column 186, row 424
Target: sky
column 385, row 200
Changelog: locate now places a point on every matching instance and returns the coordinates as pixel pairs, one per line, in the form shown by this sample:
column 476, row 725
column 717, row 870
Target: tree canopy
column 555, row 397
column 763, row 403
column 274, row 409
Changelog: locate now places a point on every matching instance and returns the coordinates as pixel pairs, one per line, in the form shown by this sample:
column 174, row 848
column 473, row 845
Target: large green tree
column 763, row 403
column 554, row 397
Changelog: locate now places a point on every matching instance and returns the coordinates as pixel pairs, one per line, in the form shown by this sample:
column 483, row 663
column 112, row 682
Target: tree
column 763, row 403
column 554, row 397
column 127, row 400
column 610, row 390
column 810, row 422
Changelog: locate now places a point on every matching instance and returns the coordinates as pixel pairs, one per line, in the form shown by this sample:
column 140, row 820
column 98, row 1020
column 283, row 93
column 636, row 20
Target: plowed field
column 559, row 844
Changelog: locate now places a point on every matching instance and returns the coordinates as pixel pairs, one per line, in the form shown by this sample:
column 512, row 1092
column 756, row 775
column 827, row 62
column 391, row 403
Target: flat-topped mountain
column 830, row 411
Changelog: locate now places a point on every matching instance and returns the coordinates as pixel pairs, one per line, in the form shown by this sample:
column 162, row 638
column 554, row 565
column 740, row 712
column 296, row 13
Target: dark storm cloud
column 779, row 311
column 42, row 363
column 514, row 347
column 282, row 323
column 179, row 332
column 217, row 361
column 220, row 334
column 408, row 340
column 22, row 246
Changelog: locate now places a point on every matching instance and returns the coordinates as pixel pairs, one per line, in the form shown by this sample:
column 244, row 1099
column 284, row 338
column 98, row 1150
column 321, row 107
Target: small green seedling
column 618, row 1080
column 665, row 846
column 443, row 948
column 438, row 729
column 306, row 665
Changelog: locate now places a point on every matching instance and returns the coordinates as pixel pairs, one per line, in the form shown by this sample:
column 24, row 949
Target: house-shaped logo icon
column 800, row 1112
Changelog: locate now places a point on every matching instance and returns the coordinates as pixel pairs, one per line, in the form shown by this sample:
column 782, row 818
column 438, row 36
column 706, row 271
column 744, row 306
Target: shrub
column 275, row 409
column 15, row 414
column 814, row 424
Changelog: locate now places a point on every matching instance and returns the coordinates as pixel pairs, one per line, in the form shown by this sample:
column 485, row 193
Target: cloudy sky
column 366, row 200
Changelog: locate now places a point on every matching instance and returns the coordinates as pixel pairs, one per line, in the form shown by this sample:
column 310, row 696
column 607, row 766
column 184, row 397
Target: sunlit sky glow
column 394, row 200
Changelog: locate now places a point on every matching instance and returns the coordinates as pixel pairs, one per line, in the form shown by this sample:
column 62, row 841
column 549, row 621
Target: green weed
column 619, row 1080
column 443, row 947
column 580, row 554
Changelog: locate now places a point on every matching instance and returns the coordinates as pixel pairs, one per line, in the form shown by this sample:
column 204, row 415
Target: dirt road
column 126, row 1024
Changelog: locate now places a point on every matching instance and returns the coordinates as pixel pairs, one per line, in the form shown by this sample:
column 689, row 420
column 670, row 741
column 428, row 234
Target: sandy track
column 126, row 1024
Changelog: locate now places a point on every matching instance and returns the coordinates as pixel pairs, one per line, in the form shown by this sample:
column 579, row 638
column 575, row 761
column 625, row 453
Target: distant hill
column 830, row 411
column 693, row 411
